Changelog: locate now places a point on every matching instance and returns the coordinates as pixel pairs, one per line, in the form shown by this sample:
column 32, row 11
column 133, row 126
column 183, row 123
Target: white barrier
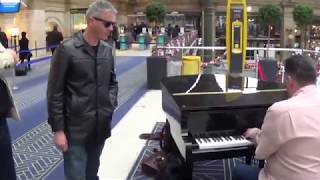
column 248, row 48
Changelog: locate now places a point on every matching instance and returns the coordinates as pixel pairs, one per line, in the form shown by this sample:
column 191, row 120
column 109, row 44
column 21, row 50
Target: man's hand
column 60, row 141
column 251, row 134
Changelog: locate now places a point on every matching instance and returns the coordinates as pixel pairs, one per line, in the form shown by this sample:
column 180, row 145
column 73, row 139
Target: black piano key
column 234, row 137
column 198, row 138
column 238, row 137
column 201, row 138
column 207, row 138
column 204, row 140
column 195, row 137
column 214, row 139
column 224, row 138
column 204, row 137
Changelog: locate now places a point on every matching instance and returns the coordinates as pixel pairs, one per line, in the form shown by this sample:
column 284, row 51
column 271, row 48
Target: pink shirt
column 289, row 139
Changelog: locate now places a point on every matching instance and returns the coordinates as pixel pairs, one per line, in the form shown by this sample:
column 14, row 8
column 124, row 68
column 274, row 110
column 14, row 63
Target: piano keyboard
column 206, row 142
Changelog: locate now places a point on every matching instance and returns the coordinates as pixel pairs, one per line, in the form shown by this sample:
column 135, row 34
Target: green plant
column 155, row 12
column 269, row 14
column 303, row 16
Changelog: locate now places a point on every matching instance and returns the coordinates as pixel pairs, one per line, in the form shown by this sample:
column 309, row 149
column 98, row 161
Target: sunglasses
column 106, row 23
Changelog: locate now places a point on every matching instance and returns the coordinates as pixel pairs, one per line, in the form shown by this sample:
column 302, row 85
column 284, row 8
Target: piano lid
column 222, row 91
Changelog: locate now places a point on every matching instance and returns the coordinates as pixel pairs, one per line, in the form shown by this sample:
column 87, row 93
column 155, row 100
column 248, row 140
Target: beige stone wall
column 30, row 21
column 7, row 21
column 37, row 19
column 40, row 14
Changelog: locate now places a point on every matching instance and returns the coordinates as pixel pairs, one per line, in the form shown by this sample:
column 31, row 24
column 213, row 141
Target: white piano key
column 222, row 142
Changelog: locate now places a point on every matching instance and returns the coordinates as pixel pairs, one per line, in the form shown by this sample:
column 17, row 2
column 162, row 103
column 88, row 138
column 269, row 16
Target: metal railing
column 251, row 62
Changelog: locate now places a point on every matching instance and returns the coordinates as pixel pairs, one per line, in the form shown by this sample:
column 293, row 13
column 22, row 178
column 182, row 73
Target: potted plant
column 155, row 12
column 269, row 14
column 303, row 16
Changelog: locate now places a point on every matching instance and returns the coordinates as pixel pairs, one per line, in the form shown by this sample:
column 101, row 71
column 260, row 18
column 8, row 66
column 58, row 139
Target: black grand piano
column 208, row 122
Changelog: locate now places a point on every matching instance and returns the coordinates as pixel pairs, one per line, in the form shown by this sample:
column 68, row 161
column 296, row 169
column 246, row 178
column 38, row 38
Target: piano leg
column 261, row 164
column 248, row 159
column 188, row 164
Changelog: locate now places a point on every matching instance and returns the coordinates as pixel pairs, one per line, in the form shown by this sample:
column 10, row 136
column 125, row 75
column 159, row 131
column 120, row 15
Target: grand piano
column 208, row 122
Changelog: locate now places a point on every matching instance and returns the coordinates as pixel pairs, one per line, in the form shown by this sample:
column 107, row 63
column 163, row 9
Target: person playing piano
column 289, row 139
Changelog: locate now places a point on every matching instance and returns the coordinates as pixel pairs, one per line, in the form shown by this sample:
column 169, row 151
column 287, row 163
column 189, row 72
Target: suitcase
column 21, row 70
column 117, row 44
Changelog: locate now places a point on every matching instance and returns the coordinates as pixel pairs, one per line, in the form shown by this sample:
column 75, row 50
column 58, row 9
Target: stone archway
column 53, row 21
column 50, row 22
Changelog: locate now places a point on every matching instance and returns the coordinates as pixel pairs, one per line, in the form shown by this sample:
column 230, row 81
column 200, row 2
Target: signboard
column 144, row 30
column 121, row 29
column 162, row 30
column 150, row 31
column 9, row 6
column 182, row 30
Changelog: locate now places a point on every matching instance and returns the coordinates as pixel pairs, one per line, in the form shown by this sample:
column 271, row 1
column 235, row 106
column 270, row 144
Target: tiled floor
column 124, row 146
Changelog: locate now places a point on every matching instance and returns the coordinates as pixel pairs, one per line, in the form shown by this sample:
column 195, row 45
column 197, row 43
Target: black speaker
column 156, row 70
column 267, row 70
column 264, row 85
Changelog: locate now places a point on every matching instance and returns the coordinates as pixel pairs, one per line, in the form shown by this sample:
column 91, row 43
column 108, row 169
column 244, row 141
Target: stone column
column 287, row 34
column 33, row 22
column 208, row 28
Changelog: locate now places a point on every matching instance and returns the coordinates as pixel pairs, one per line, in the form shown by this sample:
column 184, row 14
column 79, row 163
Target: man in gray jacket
column 82, row 93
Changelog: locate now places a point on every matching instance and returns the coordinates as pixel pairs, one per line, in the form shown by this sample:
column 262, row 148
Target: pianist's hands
column 251, row 134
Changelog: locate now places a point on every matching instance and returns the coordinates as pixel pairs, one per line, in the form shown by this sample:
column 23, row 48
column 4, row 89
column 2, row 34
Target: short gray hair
column 98, row 6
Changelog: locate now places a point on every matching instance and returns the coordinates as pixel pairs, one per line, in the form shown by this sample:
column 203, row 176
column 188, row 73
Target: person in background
column 3, row 39
column 7, row 109
column 54, row 38
column 114, row 36
column 24, row 47
column 175, row 31
column 82, row 93
column 169, row 31
column 289, row 139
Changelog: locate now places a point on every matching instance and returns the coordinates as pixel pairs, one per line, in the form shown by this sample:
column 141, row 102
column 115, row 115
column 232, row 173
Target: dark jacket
column 7, row 104
column 3, row 39
column 54, row 38
column 82, row 90
column 24, row 46
column 5, row 100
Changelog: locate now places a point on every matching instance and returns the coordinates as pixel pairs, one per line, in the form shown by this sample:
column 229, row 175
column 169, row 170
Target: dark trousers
column 24, row 56
column 7, row 170
column 245, row 172
column 52, row 50
column 82, row 161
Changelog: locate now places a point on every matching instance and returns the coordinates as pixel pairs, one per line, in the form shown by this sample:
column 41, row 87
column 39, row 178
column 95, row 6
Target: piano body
column 208, row 122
